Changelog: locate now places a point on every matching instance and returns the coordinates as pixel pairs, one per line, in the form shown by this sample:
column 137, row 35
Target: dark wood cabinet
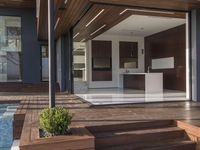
column 101, row 60
column 101, row 49
column 128, row 49
column 136, row 82
column 128, row 52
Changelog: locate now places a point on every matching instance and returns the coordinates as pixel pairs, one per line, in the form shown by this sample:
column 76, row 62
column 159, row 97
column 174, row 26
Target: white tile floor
column 121, row 96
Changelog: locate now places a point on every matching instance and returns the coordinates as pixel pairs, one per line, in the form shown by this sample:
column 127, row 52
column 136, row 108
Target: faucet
column 149, row 67
column 127, row 71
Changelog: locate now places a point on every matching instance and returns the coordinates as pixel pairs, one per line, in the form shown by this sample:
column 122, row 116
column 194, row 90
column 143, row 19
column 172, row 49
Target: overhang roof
column 71, row 13
column 17, row 3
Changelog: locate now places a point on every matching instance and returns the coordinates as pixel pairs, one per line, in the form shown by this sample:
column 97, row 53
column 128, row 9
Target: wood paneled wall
column 169, row 43
column 102, row 50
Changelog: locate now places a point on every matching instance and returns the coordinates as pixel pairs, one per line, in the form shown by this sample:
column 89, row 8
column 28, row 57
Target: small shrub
column 55, row 121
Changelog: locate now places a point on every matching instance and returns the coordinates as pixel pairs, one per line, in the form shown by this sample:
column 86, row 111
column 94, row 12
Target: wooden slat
column 75, row 9
column 110, row 17
column 178, row 5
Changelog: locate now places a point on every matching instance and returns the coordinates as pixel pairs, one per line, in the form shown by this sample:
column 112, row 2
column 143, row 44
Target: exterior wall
column 115, row 60
column 30, row 45
column 58, row 53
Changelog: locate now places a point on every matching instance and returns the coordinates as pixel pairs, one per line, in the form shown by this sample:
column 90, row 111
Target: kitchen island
column 151, row 83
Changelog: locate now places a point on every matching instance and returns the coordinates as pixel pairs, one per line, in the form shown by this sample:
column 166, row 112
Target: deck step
column 132, row 126
column 176, row 144
column 184, row 145
column 116, row 138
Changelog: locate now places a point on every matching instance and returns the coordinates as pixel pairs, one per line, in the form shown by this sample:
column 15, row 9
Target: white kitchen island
column 153, row 85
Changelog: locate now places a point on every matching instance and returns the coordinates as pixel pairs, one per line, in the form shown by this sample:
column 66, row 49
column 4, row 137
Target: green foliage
column 55, row 121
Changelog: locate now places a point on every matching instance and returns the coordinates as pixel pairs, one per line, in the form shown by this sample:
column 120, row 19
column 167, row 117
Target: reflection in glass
column 10, row 49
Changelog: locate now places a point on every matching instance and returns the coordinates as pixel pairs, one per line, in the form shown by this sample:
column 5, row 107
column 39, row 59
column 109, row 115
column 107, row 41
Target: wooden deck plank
column 84, row 115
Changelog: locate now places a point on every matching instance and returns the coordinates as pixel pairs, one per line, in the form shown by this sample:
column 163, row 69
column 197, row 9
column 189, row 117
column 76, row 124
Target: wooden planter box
column 81, row 138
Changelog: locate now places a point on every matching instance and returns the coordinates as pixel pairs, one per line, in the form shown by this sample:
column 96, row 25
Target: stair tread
column 136, row 132
column 137, row 125
column 150, row 145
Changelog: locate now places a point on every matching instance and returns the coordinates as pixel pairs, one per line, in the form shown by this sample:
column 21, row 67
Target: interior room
column 142, row 57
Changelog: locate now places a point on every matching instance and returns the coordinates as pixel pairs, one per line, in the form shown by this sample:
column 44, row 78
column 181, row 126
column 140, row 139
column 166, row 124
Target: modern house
column 115, row 45
column 104, row 51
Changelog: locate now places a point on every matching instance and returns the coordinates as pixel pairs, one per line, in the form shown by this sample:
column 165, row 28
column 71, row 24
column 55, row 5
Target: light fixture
column 58, row 20
column 76, row 35
column 147, row 11
column 82, row 40
column 103, row 26
column 95, row 17
column 123, row 11
column 66, row 2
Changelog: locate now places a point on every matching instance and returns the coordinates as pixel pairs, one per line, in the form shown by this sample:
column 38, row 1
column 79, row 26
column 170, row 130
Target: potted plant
column 54, row 122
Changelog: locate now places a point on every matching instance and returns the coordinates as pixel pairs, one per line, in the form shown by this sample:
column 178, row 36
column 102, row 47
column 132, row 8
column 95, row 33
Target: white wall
column 116, row 71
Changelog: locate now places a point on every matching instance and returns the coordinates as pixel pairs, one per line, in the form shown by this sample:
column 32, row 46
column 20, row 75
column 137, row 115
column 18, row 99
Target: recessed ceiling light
column 95, row 17
column 58, row 20
column 148, row 11
column 82, row 40
column 76, row 35
column 103, row 26
column 66, row 1
column 123, row 11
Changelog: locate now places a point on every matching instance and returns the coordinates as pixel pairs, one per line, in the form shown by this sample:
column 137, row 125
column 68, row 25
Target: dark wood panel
column 18, row 3
column 128, row 52
column 111, row 16
column 102, row 50
column 82, row 11
column 134, row 82
column 71, row 13
column 158, row 4
column 128, row 49
column 101, row 75
column 170, row 43
column 66, row 16
column 42, row 20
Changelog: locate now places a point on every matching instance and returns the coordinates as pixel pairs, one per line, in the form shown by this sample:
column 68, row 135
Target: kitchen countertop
column 132, row 73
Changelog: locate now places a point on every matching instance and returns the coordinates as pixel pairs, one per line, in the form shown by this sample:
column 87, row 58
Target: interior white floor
column 121, row 96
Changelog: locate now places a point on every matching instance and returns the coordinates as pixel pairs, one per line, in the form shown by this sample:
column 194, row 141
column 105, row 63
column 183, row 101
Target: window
column 10, row 49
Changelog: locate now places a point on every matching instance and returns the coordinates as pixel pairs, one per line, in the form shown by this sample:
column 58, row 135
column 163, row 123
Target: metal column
column 52, row 61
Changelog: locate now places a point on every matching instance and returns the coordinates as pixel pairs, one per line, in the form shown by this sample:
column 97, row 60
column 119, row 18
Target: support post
column 195, row 37
column 71, row 70
column 51, row 44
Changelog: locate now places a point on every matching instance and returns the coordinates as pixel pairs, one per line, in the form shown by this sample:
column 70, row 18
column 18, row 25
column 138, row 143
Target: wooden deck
column 26, row 116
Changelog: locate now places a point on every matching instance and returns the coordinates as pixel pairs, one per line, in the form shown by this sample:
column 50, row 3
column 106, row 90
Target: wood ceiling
column 179, row 5
column 66, row 16
column 111, row 16
column 17, row 3
column 81, row 11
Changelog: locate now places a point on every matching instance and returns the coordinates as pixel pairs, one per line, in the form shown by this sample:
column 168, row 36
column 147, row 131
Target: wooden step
column 184, row 145
column 179, row 144
column 107, row 139
column 132, row 126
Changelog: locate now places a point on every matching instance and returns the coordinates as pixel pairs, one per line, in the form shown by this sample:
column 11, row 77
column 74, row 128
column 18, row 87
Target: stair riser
column 131, row 126
column 178, row 147
column 131, row 138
